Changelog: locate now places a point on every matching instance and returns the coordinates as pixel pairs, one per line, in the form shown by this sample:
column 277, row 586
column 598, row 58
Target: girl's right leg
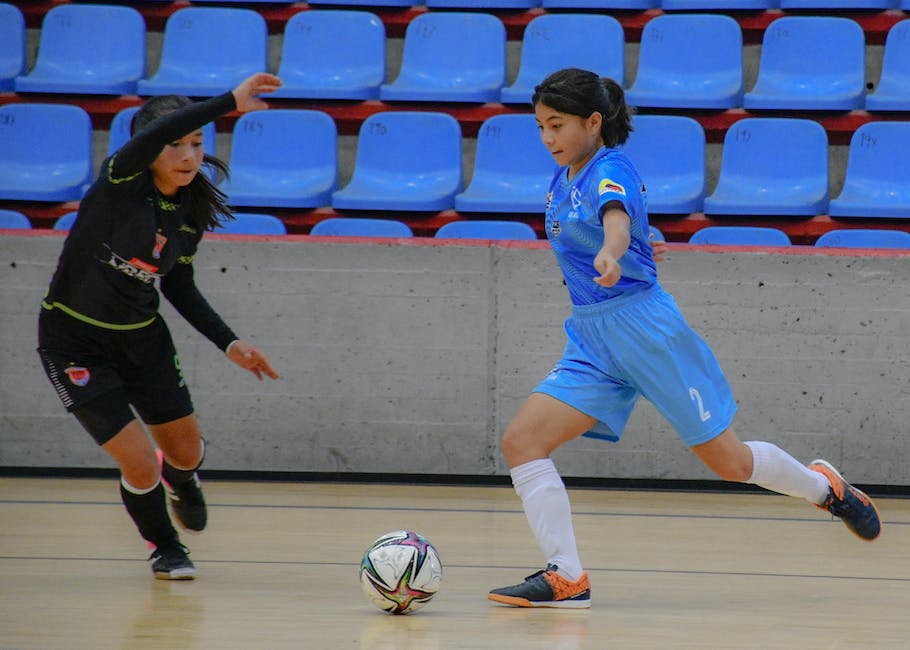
column 110, row 421
column 85, row 365
column 144, row 498
column 541, row 425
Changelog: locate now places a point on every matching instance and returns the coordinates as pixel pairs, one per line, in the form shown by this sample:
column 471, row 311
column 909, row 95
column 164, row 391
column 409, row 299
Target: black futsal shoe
column 171, row 561
column 188, row 504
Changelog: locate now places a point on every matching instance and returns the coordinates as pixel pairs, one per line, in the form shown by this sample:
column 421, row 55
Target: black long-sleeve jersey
column 127, row 236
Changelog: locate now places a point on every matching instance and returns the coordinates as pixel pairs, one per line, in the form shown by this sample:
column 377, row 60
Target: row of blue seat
column 763, row 236
column 516, row 230
column 671, row 5
column 690, row 61
column 288, row 158
column 250, row 223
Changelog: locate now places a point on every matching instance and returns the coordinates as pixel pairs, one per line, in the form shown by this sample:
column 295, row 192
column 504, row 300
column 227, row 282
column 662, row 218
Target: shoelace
column 170, row 551
column 550, row 567
column 843, row 508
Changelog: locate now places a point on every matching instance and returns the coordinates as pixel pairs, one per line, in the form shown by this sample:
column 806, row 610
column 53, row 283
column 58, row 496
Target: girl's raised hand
column 246, row 93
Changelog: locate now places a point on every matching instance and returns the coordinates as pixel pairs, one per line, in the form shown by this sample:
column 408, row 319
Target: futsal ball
column 400, row 572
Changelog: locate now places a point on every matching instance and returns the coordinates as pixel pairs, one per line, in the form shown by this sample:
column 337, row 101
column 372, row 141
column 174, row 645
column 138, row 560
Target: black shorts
column 99, row 373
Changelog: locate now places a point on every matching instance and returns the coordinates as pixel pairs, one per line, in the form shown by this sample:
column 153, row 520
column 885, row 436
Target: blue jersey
column 575, row 227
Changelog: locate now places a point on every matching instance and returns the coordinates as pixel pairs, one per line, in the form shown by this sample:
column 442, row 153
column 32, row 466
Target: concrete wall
column 410, row 358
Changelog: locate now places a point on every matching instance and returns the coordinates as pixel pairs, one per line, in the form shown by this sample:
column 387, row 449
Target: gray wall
column 411, row 358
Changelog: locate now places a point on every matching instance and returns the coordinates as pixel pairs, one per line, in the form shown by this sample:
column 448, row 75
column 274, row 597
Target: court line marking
column 496, row 567
column 510, row 511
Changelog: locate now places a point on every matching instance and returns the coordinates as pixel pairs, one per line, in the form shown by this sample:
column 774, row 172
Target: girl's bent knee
column 734, row 472
column 511, row 447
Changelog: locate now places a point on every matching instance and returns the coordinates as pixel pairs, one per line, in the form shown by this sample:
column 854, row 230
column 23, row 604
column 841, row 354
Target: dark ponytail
column 207, row 204
column 581, row 92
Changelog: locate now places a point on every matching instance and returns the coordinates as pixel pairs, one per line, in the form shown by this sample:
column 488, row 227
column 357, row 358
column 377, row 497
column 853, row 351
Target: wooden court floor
column 278, row 569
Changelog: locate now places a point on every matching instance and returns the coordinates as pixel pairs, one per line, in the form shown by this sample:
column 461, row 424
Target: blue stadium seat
column 88, row 49
column 877, row 182
column 252, row 223
column 740, row 236
column 396, row 170
column 772, row 166
column 482, row 5
column 208, row 51
column 719, row 5
column 893, row 92
column 14, row 219
column 283, row 158
column 332, row 54
column 12, row 45
column 363, row 3
column 439, row 66
column 361, row 227
column 669, row 153
column 810, row 63
column 46, row 153
column 486, row 230
column 119, row 131
column 864, row 238
column 836, row 5
column 689, row 61
column 601, row 4
column 512, row 168
column 656, row 234
column 597, row 44
column 66, row 221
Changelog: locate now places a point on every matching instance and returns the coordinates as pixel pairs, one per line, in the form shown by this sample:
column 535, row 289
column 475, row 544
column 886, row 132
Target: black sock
column 149, row 512
column 176, row 476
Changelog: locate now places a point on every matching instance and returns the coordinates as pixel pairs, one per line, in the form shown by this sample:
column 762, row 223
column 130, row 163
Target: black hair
column 207, row 203
column 581, row 92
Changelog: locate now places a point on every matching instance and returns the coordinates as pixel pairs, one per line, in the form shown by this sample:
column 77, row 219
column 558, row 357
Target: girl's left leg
column 761, row 463
column 183, row 450
column 769, row 466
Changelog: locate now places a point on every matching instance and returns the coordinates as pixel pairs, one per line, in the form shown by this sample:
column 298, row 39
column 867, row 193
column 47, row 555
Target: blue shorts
column 634, row 345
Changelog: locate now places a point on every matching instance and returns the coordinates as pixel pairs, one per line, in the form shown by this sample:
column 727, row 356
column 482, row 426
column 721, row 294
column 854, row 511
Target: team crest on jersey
column 160, row 241
column 606, row 185
column 575, row 195
column 78, row 375
column 555, row 229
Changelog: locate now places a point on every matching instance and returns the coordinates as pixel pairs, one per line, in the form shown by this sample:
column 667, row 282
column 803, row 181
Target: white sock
column 775, row 469
column 135, row 490
column 546, row 504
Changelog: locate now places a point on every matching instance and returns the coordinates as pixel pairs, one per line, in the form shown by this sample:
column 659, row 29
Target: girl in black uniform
column 101, row 340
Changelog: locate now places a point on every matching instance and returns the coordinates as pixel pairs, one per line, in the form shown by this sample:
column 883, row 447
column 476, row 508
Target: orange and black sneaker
column 852, row 506
column 546, row 588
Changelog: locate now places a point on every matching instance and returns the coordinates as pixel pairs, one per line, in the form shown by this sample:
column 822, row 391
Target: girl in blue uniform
column 625, row 338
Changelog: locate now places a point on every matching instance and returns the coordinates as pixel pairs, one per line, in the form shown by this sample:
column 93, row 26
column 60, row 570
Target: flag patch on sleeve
column 606, row 185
